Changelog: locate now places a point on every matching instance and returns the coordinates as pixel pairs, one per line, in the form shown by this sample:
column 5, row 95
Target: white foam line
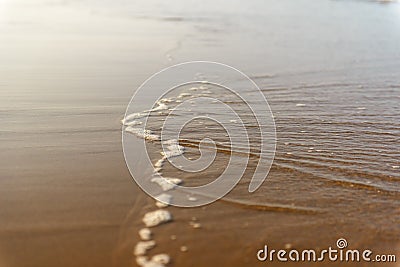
column 134, row 116
column 160, row 216
column 167, row 100
column 138, row 115
column 155, row 218
column 161, row 106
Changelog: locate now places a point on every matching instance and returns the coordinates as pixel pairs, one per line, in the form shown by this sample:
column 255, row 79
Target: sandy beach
column 68, row 69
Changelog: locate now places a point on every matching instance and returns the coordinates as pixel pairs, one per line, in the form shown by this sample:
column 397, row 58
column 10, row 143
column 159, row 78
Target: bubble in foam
column 161, row 258
column 141, row 260
column 145, row 234
column 143, row 246
column 195, row 225
column 157, row 217
column 190, row 198
column 146, row 263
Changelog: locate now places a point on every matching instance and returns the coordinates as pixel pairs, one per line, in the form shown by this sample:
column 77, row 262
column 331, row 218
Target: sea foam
column 143, row 133
column 133, row 116
column 132, row 123
column 143, row 246
column 161, row 106
column 166, row 183
column 164, row 200
column 157, row 217
column 173, row 150
column 145, row 234
column 159, row 260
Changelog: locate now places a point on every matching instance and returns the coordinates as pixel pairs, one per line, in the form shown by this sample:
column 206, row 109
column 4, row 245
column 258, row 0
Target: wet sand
column 62, row 207
column 74, row 205
column 68, row 70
